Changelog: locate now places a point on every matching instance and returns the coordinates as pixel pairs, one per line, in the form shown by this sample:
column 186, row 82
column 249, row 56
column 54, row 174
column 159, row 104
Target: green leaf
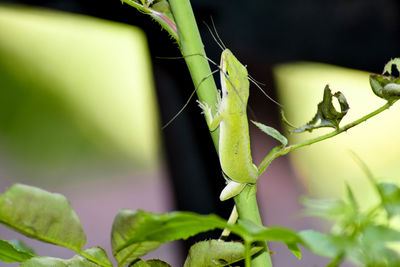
column 22, row 246
column 380, row 234
column 390, row 197
column 325, row 208
column 97, row 253
column 294, row 248
column 134, row 251
column 139, row 263
column 217, row 253
column 45, row 262
column 359, row 236
column 161, row 6
column 124, row 226
column 327, row 115
column 253, row 232
column 389, row 65
column 134, row 233
column 344, row 212
column 374, row 243
column 157, row 263
column 325, row 245
column 271, row 132
column 351, row 200
column 11, row 253
column 366, row 249
column 42, row 215
column 386, row 87
column 76, row 261
column 150, row 263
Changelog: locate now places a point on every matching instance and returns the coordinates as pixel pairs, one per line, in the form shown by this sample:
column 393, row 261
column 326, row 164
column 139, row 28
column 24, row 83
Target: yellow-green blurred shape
column 327, row 165
column 75, row 90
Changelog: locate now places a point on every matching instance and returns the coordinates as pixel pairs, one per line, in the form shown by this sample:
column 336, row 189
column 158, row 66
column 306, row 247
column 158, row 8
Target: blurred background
column 83, row 93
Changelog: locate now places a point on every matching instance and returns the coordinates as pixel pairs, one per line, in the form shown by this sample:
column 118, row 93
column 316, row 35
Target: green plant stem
column 247, row 260
column 191, row 44
column 283, row 151
column 247, row 207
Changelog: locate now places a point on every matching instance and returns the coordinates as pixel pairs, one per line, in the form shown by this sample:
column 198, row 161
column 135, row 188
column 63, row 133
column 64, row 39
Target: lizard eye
column 227, row 73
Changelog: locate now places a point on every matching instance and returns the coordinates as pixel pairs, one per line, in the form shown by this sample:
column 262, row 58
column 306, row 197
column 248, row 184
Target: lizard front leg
column 212, row 121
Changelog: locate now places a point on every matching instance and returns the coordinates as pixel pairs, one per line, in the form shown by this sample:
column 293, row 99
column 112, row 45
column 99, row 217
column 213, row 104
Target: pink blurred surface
column 97, row 202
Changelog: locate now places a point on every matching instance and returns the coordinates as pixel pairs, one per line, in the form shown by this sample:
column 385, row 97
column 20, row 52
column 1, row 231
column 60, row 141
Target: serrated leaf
column 157, row 263
column 76, row 261
column 271, row 132
column 45, row 262
column 135, row 233
column 170, row 226
column 139, row 263
column 327, row 115
column 213, row 253
column 150, row 263
column 98, row 253
column 389, row 65
column 260, row 233
column 125, row 224
column 11, row 253
column 390, row 197
column 41, row 215
column 253, row 232
column 134, row 251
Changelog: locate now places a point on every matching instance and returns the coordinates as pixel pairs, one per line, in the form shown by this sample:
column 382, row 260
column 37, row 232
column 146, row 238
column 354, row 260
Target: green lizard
column 231, row 118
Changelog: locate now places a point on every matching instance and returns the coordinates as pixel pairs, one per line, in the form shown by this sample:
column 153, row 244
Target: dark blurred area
column 360, row 34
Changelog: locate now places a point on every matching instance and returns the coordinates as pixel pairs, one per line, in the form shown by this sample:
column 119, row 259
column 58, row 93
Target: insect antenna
column 217, row 40
column 254, row 80
column 259, row 87
column 197, row 54
column 216, row 33
column 194, row 91
column 187, row 102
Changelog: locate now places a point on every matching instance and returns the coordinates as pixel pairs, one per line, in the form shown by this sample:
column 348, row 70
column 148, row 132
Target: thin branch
column 283, row 151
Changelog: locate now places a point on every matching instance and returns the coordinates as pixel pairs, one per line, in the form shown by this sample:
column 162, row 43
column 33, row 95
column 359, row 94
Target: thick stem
column 192, row 49
column 247, row 207
column 191, row 44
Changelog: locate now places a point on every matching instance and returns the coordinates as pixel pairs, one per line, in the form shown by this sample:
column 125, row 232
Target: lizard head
column 234, row 80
